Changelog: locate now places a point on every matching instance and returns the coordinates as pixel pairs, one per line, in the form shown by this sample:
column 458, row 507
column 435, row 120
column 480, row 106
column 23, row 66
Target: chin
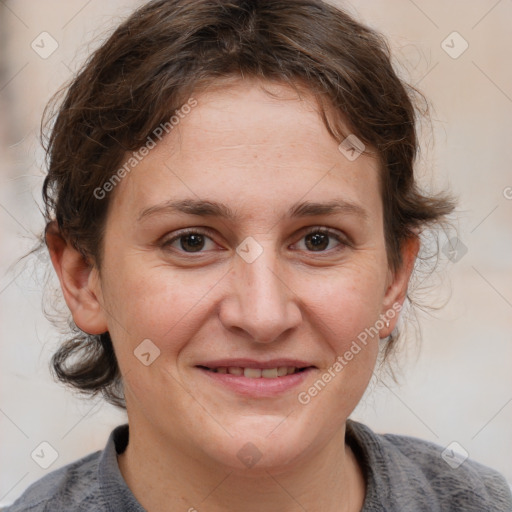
column 261, row 445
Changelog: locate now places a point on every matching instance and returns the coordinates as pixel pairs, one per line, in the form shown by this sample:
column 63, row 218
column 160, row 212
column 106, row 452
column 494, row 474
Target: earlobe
column 397, row 289
column 79, row 282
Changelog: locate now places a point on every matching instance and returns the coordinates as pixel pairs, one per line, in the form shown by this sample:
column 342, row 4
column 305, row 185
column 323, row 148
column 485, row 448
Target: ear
column 398, row 283
column 79, row 281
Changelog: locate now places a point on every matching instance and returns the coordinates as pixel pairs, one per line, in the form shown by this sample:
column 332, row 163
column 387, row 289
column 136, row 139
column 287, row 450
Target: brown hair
column 167, row 50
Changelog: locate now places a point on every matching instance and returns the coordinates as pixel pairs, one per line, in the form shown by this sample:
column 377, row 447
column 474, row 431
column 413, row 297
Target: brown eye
column 191, row 241
column 319, row 240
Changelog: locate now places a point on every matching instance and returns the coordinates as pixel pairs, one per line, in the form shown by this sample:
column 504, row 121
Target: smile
column 256, row 373
column 251, row 381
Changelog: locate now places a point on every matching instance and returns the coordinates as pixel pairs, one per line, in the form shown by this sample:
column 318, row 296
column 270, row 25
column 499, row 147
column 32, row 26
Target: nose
column 261, row 303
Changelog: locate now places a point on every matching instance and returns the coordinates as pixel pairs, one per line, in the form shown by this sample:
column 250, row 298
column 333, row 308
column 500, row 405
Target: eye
column 189, row 241
column 319, row 240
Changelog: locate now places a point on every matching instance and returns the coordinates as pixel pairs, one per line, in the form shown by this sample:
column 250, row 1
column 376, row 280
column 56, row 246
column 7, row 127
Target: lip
column 257, row 388
column 252, row 363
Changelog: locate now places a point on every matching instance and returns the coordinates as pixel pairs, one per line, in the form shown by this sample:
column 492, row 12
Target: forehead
column 238, row 145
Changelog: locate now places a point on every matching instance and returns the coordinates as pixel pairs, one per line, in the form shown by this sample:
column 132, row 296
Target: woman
column 234, row 220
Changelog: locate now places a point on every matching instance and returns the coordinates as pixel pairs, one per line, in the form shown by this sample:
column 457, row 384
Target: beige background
column 457, row 388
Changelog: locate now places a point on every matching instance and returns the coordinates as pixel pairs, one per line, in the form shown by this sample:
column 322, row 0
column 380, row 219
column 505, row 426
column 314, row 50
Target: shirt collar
column 116, row 494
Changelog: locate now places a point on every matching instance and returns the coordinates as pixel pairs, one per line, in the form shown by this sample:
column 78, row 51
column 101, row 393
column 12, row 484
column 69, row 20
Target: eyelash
column 206, row 232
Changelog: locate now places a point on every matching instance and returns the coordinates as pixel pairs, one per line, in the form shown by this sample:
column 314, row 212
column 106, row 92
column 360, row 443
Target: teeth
column 252, row 373
column 269, row 373
column 282, row 371
column 257, row 373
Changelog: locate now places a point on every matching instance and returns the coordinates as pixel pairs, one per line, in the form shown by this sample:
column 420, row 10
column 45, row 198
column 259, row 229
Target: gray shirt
column 402, row 474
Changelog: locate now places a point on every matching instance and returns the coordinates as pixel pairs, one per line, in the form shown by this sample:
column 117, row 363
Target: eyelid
column 199, row 230
column 340, row 236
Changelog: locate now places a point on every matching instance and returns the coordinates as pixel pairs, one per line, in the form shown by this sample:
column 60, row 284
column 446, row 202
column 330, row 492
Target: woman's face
column 254, row 284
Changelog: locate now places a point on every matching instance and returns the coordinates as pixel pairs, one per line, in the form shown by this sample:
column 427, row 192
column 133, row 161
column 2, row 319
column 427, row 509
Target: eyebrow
column 206, row 208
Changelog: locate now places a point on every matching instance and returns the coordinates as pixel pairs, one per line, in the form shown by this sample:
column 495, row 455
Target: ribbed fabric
column 91, row 484
column 403, row 474
column 406, row 474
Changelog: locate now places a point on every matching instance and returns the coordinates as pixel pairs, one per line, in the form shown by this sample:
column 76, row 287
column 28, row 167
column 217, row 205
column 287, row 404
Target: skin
column 259, row 156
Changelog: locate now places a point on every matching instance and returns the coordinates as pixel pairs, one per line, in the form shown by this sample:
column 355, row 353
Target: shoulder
column 425, row 476
column 453, row 478
column 71, row 487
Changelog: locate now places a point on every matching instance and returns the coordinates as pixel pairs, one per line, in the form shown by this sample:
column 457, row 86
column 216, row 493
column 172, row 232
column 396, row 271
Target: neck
column 165, row 475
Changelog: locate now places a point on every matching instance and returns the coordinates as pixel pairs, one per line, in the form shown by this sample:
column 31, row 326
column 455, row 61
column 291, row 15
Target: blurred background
column 455, row 387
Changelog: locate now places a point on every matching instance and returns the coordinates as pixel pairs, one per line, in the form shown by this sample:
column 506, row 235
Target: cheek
column 344, row 311
column 158, row 303
column 346, row 303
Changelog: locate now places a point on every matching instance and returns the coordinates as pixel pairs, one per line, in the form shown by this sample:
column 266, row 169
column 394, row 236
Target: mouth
column 257, row 379
column 257, row 373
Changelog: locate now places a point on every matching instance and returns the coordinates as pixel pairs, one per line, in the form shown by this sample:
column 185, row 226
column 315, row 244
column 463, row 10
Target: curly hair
column 167, row 50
